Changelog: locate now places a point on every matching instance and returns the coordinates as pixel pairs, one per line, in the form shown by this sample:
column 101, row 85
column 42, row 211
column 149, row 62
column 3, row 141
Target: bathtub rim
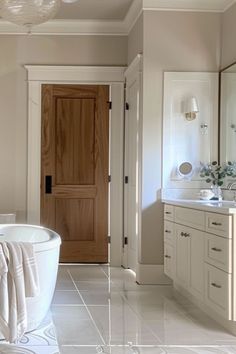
column 39, row 246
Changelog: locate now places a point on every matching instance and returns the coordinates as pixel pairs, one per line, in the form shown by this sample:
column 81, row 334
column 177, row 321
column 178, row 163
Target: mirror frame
column 219, row 110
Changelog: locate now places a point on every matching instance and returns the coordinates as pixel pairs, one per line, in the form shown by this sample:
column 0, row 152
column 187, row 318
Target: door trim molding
column 112, row 76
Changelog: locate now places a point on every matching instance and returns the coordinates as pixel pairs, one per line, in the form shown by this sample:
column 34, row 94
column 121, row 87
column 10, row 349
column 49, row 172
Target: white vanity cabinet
column 198, row 248
column 169, row 239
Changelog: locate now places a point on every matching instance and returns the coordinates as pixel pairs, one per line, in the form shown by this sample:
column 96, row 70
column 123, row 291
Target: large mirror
column 228, row 114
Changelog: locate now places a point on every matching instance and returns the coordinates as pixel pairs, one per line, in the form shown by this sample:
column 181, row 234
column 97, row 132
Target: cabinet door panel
column 218, row 252
column 196, row 263
column 169, row 260
column 168, row 232
column 169, row 212
column 219, row 224
column 182, row 256
column 218, row 291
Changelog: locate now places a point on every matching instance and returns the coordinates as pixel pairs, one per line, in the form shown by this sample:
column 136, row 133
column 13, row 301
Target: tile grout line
column 90, row 315
column 135, row 312
column 73, row 305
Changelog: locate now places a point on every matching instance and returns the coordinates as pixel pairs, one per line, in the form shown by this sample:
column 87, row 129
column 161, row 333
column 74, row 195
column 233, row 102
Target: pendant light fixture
column 29, row 13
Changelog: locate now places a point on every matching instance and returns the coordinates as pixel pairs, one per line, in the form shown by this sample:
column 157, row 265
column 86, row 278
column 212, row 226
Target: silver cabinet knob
column 216, row 249
column 216, row 223
column 216, row 285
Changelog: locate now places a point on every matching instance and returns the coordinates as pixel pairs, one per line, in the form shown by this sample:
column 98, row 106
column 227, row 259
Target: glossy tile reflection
column 97, row 309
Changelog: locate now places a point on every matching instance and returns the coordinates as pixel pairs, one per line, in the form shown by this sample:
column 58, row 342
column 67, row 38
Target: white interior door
column 131, row 195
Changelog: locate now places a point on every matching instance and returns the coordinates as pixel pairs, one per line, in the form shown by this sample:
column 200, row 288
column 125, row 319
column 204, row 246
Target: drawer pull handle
column 216, row 249
column 216, row 285
column 167, row 231
column 216, row 223
column 166, row 256
column 168, row 213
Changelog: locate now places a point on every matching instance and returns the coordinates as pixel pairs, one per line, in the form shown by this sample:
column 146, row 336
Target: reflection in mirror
column 228, row 114
column 185, row 169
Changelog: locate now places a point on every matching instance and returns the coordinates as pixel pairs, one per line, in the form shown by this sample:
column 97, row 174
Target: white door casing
column 132, row 212
column 113, row 76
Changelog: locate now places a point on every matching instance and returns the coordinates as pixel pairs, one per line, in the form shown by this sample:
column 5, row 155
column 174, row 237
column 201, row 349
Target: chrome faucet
column 229, row 187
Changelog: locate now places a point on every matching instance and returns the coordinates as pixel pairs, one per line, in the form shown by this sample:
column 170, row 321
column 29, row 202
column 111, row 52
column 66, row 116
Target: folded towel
column 30, row 270
column 4, row 304
column 22, row 282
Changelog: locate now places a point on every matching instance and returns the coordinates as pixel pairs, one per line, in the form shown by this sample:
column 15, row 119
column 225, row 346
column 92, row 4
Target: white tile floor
column 41, row 341
column 97, row 309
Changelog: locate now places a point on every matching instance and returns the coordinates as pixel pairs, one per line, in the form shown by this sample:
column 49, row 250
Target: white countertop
column 215, row 206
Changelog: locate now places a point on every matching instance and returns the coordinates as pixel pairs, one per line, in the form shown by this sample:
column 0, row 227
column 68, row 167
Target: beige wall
column 173, row 41
column 135, row 40
column 228, row 55
column 15, row 52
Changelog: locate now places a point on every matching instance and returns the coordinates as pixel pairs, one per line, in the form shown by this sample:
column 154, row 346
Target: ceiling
column 117, row 9
column 95, row 10
column 109, row 17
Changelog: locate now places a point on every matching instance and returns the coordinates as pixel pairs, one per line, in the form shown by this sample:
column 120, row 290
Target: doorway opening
column 76, row 75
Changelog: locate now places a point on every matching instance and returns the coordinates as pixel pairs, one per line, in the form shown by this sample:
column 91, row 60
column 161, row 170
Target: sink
column 223, row 203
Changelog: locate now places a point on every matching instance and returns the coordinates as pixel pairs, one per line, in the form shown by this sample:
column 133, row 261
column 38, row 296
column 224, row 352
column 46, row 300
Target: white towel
column 30, row 270
column 22, row 282
column 4, row 304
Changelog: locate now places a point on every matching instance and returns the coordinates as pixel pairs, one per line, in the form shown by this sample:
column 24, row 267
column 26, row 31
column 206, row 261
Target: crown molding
column 188, row 5
column 116, row 27
column 229, row 5
column 68, row 27
column 133, row 15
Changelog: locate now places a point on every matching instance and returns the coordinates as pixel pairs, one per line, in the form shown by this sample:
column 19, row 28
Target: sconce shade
column 191, row 108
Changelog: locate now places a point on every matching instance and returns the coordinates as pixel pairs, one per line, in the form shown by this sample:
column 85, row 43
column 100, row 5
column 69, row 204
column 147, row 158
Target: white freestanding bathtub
column 46, row 245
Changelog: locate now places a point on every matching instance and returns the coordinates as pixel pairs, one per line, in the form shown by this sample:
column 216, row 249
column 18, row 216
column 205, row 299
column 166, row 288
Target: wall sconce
column 191, row 108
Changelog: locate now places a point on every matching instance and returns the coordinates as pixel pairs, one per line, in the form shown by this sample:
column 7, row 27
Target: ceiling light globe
column 28, row 12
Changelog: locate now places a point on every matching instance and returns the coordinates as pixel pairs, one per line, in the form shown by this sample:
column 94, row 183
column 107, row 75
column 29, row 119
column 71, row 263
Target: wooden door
column 74, row 169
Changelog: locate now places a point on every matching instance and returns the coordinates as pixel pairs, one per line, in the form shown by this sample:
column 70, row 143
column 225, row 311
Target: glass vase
column 217, row 192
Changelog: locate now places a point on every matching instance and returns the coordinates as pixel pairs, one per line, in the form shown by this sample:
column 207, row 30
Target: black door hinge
column 126, row 106
column 109, row 239
column 110, row 104
column 126, row 179
column 126, row 240
column 109, row 178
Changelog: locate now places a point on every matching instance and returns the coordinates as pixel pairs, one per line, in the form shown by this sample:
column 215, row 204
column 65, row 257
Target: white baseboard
column 151, row 274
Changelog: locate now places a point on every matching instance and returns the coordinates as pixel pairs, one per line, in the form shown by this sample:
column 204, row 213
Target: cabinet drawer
column 169, row 212
column 190, row 217
column 168, row 231
column 169, row 260
column 218, row 291
column 218, row 252
column 219, row 224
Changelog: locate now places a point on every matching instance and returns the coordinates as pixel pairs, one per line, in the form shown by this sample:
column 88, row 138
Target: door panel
column 73, row 219
column 75, row 141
